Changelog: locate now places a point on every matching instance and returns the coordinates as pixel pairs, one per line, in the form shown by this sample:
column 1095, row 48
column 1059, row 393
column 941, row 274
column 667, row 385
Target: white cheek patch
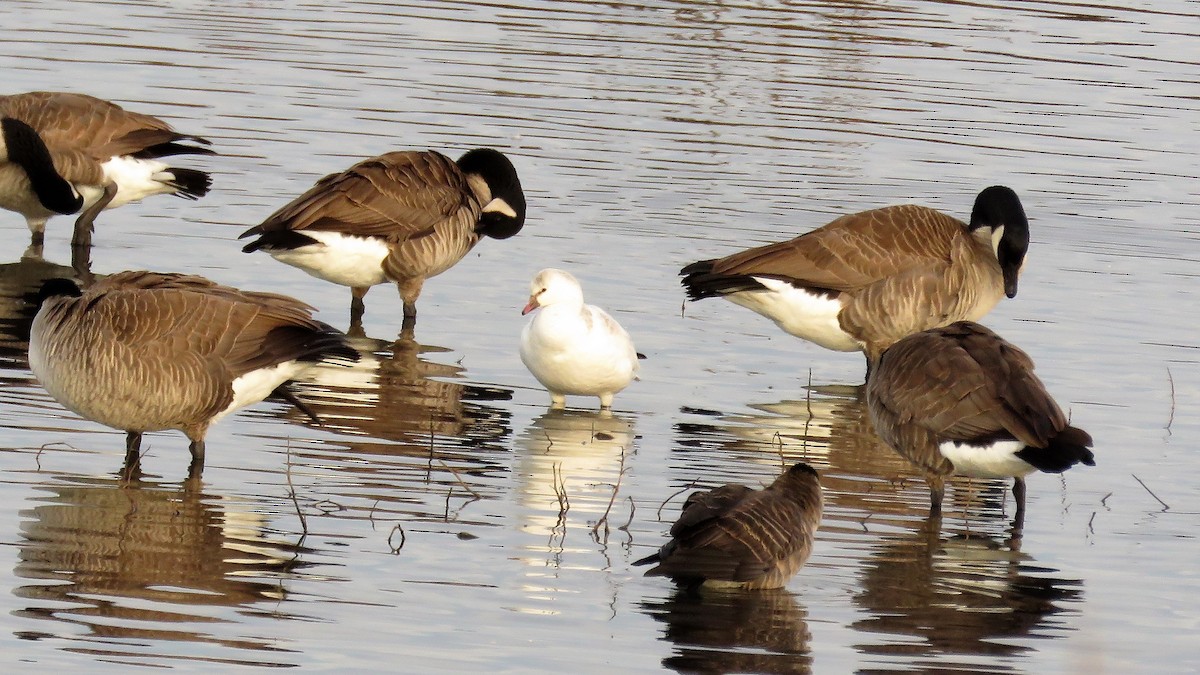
column 498, row 205
column 997, row 235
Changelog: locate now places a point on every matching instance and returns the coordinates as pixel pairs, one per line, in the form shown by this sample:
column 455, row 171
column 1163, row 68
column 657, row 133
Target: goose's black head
column 800, row 469
column 998, row 209
column 26, row 149
column 53, row 288
column 504, row 216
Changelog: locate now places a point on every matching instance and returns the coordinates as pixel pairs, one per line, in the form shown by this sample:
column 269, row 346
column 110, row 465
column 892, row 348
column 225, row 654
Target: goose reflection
column 128, row 564
column 969, row 593
column 569, row 462
column 726, row 631
column 395, row 395
column 830, row 427
column 19, row 284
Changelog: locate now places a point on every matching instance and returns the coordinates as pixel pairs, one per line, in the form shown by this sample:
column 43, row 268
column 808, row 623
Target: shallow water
column 444, row 519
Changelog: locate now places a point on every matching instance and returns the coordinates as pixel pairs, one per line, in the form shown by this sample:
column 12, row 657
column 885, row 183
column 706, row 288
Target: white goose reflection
column 568, row 464
column 121, row 566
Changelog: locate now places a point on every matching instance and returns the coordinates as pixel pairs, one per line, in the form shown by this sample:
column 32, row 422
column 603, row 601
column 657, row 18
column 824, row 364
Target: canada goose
column 401, row 216
column 573, row 348
column 962, row 400
column 866, row 280
column 737, row 536
column 23, row 150
column 109, row 154
column 142, row 351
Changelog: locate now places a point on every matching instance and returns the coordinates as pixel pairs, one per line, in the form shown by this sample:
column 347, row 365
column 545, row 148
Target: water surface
column 443, row 518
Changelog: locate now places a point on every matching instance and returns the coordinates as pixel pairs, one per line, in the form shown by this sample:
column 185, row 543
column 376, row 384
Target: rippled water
column 444, row 519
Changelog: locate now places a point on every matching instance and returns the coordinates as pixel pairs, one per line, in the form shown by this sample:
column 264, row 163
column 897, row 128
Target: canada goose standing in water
column 401, row 217
column 866, row 280
column 962, row 400
column 108, row 154
column 737, row 536
column 142, row 351
column 571, row 347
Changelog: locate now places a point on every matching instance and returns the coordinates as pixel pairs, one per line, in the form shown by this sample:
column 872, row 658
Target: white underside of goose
column 994, row 460
column 578, row 351
column 338, row 258
column 802, row 313
column 135, row 179
column 256, row 385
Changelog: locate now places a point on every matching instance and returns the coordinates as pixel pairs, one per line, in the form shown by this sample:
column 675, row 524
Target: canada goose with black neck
column 866, row 280
column 401, row 217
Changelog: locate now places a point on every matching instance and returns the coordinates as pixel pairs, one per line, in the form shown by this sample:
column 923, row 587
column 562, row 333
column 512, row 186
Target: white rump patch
column 136, row 179
column 807, row 315
column 256, row 385
column 995, row 460
column 338, row 258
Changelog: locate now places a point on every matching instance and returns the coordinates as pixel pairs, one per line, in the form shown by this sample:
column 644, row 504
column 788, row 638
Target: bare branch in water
column 673, row 495
column 1139, row 480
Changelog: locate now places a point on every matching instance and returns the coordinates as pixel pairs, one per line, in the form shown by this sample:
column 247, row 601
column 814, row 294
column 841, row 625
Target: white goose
column 573, row 348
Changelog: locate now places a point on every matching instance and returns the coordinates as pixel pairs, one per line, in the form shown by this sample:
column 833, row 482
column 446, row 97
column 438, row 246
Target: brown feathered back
column 740, row 536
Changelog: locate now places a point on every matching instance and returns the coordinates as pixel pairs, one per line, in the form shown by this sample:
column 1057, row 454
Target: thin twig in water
column 1139, row 480
column 292, row 490
column 403, row 538
column 632, row 509
column 616, row 488
column 446, row 511
column 673, row 495
column 808, row 420
column 1104, row 501
column 1091, row 530
column 371, row 514
column 454, row 472
column 1171, row 380
column 560, row 488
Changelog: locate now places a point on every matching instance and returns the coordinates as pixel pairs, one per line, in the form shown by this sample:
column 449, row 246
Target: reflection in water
column 394, row 395
column 569, row 463
column 832, row 429
column 19, row 284
column 968, row 594
column 411, row 440
column 728, row 631
column 964, row 594
column 134, row 563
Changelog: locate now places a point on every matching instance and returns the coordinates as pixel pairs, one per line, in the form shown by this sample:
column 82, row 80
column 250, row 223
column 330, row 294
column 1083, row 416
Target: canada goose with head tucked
column 400, row 217
column 866, row 280
column 108, row 154
column 142, row 351
column 22, row 150
column 962, row 400
column 571, row 347
column 737, row 536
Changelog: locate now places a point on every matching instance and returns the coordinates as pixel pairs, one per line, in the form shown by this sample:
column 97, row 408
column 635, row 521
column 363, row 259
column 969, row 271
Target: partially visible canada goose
column 142, row 351
column 962, row 400
column 573, row 348
column 737, row 536
column 23, row 150
column 866, row 280
column 110, row 155
column 401, row 216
